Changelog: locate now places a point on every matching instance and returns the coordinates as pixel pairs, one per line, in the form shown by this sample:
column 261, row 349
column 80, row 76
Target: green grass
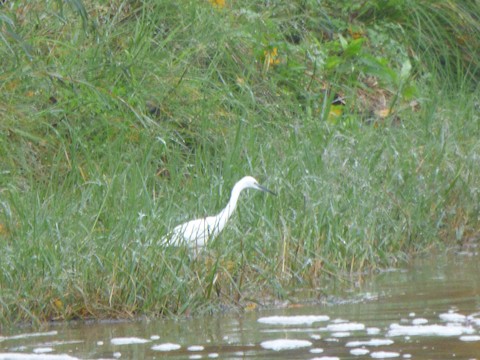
column 120, row 121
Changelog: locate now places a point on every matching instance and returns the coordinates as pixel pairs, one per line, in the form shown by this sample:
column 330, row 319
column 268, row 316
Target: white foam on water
column 474, row 316
column 196, row 356
column 452, row 317
column 213, row 355
column 195, row 348
column 326, row 358
column 316, row 350
column 28, row 335
column 285, row 344
column 292, row 320
column 166, row 347
column 154, row 337
column 419, row 321
column 315, row 337
column 371, row 342
column 331, row 339
column 23, row 356
column 128, row 341
column 42, row 350
column 341, row 334
column 18, row 348
column 373, row 331
column 412, row 314
column 428, row 330
column 99, row 343
column 60, row 342
column 470, row 338
column 339, row 321
column 384, row 354
column 359, row 351
column 117, row 354
column 290, row 330
column 347, row 326
column 474, row 320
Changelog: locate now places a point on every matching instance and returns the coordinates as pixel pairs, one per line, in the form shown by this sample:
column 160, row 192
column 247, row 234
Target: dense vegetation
column 120, row 119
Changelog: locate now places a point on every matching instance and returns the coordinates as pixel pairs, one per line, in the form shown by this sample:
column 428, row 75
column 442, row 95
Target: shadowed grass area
column 120, row 121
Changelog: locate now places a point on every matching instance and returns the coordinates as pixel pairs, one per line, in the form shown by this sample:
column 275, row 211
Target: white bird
column 196, row 233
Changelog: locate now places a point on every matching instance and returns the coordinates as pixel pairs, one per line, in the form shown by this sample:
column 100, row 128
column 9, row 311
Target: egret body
column 196, row 233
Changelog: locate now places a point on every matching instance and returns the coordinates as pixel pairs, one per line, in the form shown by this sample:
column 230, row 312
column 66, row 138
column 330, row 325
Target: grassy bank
column 121, row 121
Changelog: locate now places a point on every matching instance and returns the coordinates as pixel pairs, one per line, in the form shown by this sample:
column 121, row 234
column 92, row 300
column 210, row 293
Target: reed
column 121, row 121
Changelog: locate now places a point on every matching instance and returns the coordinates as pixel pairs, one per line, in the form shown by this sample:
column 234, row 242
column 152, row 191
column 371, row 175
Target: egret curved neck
column 225, row 214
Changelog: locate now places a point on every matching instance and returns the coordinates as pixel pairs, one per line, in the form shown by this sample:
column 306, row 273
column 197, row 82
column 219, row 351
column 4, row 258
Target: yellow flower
column 218, row 3
column 58, row 304
column 271, row 57
column 356, row 32
column 383, row 113
column 3, row 230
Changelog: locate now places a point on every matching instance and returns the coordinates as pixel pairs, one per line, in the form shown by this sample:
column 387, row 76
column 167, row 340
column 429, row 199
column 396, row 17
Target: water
column 430, row 310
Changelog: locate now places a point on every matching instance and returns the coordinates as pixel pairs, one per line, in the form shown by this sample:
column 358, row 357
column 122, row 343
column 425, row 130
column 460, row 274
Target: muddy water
column 429, row 310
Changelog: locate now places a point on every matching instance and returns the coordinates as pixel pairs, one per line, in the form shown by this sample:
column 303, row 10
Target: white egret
column 196, row 233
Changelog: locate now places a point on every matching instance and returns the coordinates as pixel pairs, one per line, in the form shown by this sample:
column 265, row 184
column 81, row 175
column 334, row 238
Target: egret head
column 251, row 182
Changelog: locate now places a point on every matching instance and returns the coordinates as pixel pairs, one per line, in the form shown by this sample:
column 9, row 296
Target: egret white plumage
column 196, row 233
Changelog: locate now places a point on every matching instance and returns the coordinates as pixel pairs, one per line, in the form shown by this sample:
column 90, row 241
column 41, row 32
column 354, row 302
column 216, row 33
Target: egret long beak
column 263, row 188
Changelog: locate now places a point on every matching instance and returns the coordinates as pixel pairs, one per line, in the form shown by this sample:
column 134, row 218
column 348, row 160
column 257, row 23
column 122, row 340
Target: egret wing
column 192, row 233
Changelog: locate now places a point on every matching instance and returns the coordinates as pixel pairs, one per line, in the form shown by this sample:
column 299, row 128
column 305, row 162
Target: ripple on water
column 28, row 335
column 293, row 320
column 22, row 356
